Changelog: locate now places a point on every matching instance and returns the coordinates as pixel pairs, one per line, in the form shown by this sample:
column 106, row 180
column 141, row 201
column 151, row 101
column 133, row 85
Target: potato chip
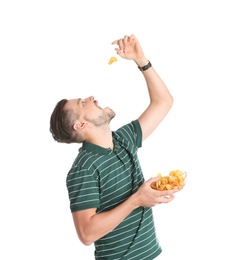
column 175, row 180
column 112, row 59
column 162, row 187
column 169, row 186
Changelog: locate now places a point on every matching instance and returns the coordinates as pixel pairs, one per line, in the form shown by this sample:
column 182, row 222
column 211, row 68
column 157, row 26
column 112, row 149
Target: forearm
column 98, row 225
column 158, row 92
column 91, row 226
column 160, row 100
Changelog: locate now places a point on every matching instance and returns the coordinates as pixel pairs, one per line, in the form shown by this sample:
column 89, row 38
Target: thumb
column 120, row 53
column 152, row 179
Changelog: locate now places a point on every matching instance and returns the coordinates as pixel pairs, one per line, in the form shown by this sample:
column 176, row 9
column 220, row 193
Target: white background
column 51, row 50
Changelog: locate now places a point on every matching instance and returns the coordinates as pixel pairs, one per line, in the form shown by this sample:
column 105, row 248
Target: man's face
column 89, row 110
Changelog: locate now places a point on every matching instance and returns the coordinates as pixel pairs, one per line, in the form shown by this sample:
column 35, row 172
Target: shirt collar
column 101, row 150
column 95, row 148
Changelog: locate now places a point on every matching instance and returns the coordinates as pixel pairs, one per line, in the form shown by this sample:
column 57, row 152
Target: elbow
column 166, row 101
column 84, row 227
column 169, row 103
column 86, row 242
column 86, row 239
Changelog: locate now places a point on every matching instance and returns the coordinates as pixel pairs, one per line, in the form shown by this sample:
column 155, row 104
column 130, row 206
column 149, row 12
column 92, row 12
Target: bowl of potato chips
column 176, row 179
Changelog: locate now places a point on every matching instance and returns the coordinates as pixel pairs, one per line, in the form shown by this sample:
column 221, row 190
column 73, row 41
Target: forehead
column 72, row 103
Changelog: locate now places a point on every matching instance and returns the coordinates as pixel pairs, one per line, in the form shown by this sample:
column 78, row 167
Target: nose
column 89, row 99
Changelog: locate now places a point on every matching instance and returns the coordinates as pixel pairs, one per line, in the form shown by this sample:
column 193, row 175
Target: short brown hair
column 61, row 124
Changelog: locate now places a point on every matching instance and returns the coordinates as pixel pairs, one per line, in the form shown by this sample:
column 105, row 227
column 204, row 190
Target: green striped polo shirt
column 103, row 178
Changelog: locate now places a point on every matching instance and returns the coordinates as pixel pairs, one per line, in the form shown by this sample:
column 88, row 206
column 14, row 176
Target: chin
column 111, row 114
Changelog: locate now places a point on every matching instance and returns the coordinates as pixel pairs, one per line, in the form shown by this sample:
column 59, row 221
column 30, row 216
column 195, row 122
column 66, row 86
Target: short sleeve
column 137, row 133
column 82, row 190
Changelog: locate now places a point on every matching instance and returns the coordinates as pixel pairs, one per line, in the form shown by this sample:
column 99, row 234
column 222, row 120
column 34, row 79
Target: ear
column 78, row 126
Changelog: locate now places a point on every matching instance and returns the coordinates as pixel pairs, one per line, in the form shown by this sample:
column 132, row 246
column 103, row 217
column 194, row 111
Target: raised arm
column 160, row 98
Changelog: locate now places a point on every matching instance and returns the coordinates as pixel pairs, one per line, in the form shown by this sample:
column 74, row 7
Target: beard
column 103, row 119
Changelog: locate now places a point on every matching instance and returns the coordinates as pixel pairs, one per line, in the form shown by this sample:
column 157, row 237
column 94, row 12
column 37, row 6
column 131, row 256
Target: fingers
column 120, row 43
column 166, row 199
column 124, row 41
column 117, row 41
column 164, row 196
column 127, row 47
column 165, row 193
column 149, row 197
column 120, row 50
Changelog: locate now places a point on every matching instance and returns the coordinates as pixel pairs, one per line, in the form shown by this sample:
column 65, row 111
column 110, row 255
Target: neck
column 101, row 137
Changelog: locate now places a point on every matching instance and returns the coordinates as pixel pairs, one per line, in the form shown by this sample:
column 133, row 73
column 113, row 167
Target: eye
column 83, row 102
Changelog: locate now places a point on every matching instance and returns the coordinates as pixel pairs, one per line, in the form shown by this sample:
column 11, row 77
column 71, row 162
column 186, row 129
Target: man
column 111, row 204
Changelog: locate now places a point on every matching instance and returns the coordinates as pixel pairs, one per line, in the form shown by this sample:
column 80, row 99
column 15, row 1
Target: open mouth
column 97, row 104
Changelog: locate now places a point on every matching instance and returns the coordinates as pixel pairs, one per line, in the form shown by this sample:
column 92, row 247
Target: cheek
column 90, row 114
